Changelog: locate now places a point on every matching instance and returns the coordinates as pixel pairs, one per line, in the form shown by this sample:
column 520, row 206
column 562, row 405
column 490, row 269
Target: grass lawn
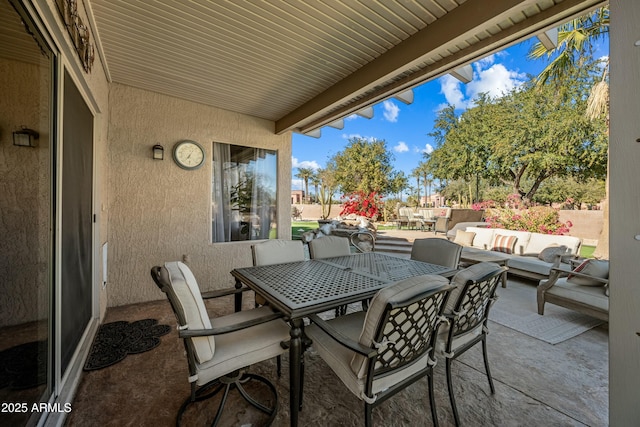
column 300, row 227
column 587, row 251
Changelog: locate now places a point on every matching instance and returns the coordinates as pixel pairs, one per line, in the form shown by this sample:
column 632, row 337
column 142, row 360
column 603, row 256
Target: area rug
column 115, row 340
column 516, row 308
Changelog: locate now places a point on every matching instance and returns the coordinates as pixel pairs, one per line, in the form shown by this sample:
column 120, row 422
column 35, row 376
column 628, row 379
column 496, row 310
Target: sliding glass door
column 27, row 151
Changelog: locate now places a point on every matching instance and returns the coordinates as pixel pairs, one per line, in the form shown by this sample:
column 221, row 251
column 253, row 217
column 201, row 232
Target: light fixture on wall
column 25, row 137
column 158, row 152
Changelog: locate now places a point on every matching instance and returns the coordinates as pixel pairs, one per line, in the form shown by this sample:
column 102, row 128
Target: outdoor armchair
column 219, row 350
column 468, row 311
column 378, row 353
column 585, row 289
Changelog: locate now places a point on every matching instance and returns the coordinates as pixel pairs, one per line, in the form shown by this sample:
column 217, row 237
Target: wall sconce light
column 25, row 137
column 158, row 152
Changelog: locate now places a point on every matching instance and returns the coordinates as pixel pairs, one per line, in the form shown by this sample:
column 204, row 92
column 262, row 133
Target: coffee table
column 477, row 257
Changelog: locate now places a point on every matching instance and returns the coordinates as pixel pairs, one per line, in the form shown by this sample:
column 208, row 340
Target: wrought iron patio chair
column 363, row 241
column 219, row 350
column 468, row 313
column 378, row 353
column 437, row 251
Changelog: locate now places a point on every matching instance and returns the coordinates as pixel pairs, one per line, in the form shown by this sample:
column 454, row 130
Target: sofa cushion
column 533, row 265
column 588, row 295
column 521, row 236
column 539, row 241
column 591, row 267
column 550, row 253
column 464, row 238
column 483, row 237
column 504, row 243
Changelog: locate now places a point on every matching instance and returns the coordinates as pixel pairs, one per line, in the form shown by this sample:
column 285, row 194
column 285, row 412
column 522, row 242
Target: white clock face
column 188, row 154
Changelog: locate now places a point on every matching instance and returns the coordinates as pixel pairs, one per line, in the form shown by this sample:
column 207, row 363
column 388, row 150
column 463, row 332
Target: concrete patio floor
column 536, row 384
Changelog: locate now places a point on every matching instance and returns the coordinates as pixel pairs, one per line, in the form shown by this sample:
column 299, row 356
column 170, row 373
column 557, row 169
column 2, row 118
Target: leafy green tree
column 523, row 138
column 466, row 154
column 304, row 174
column 575, row 42
column 399, row 183
column 423, row 172
column 364, row 166
column 328, row 188
column 315, row 181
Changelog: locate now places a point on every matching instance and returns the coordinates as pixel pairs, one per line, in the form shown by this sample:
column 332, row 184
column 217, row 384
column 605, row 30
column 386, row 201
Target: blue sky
column 405, row 128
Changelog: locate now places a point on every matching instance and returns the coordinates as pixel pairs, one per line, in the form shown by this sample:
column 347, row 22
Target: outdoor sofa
column 529, row 255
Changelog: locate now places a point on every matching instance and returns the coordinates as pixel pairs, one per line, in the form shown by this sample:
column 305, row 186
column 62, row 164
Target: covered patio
column 99, row 93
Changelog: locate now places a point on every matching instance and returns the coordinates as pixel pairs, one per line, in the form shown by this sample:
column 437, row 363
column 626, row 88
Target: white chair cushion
column 277, row 251
column 192, row 306
column 329, row 246
column 242, row 348
column 339, row 358
column 587, row 295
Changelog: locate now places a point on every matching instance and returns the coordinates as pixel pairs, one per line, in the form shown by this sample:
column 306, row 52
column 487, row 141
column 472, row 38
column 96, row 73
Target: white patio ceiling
column 306, row 63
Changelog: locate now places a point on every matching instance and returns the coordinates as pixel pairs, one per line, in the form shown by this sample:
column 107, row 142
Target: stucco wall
column 159, row 212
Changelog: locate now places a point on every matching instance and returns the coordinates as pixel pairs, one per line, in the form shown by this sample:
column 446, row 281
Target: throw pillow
column 504, row 244
column 591, row 267
column 464, row 238
column 549, row 253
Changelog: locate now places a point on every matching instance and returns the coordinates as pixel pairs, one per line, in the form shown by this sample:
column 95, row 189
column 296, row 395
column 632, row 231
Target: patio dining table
column 298, row 289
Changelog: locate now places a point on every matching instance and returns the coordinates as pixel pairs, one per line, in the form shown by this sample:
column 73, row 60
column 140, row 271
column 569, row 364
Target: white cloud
column 297, row 184
column 450, row 88
column 295, row 163
column 495, row 80
column 487, row 60
column 401, row 147
column 391, row 111
column 488, row 77
column 348, row 136
column 352, row 117
column 428, row 148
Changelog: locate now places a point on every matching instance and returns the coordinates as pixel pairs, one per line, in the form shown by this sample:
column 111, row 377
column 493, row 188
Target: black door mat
column 115, row 340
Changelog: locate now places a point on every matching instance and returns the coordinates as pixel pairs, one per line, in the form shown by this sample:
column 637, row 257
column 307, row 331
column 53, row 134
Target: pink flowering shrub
column 538, row 219
column 485, row 204
column 361, row 203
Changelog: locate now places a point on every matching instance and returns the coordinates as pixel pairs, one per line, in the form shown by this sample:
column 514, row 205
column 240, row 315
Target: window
column 243, row 193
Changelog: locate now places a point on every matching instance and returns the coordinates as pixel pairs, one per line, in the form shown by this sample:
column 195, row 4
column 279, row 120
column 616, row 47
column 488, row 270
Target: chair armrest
column 190, row 333
column 343, row 339
column 224, row 292
column 580, row 274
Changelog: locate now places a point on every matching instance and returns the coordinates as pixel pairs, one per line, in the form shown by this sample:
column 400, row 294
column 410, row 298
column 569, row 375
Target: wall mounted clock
column 188, row 154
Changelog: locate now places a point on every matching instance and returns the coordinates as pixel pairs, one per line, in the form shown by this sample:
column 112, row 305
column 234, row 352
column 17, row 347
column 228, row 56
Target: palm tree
column 315, row 181
column 422, row 172
column 304, row 174
column 575, row 40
